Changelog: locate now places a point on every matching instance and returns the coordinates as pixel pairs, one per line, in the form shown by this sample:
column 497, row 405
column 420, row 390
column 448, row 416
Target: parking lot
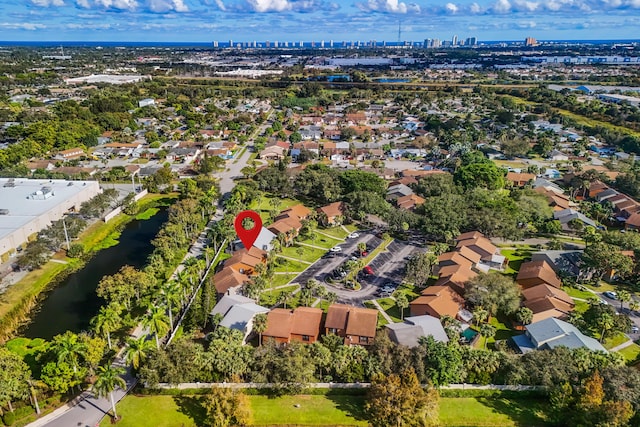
column 388, row 267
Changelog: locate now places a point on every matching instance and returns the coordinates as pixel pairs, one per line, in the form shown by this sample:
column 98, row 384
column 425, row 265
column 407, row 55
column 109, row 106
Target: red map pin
column 248, row 237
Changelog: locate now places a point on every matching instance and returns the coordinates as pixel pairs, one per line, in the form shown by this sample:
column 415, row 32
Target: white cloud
column 388, row 6
column 475, row 8
column 117, row 4
column 220, row 5
column 162, row 6
column 502, row 6
column 269, row 5
column 47, row 3
column 22, row 26
column 529, row 6
column 84, row 4
column 451, row 8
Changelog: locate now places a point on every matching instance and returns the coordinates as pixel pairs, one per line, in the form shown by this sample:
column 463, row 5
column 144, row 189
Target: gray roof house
column 413, row 328
column 561, row 261
column 552, row 333
column 264, row 239
column 567, row 215
column 238, row 312
column 398, row 191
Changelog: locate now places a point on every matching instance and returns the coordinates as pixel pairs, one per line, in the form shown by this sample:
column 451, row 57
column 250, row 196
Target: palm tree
column 487, row 331
column 107, row 381
column 480, row 315
column 136, row 350
column 623, row 296
column 260, row 325
column 634, row 305
column 524, row 315
column 283, row 298
column 69, row 349
column 402, row 302
column 171, row 291
column 605, row 322
column 106, row 321
column 156, row 321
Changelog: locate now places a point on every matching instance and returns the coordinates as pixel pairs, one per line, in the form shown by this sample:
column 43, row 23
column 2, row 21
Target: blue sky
column 247, row 20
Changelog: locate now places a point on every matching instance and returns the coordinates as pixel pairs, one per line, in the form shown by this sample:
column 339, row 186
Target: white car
column 336, row 249
column 353, row 236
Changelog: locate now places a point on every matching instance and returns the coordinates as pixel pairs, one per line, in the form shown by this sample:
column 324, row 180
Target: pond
column 73, row 302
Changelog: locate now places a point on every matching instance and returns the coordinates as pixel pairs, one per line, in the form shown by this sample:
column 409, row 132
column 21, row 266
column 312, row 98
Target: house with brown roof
column 332, row 214
column 596, row 188
column 455, row 276
column 437, row 301
column 228, row 281
column 409, row 202
column 546, row 301
column 356, row 325
column 535, row 273
column 633, row 222
column 299, row 210
column 274, row 152
column 301, row 324
column 520, row 179
column 462, row 256
column 245, row 261
column 287, row 224
column 489, row 254
column 70, row 154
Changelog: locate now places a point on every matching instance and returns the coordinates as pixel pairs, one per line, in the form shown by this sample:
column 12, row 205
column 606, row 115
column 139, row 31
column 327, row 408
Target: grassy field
column 390, row 307
column 269, row 298
column 308, row 254
column 329, row 410
column 503, row 332
column 577, row 293
column 516, row 257
column 288, row 266
column 336, row 232
column 323, row 241
column 615, row 340
column 630, row 353
column 281, row 279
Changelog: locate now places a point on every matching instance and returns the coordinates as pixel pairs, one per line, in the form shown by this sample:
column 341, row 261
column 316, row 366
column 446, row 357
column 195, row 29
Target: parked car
column 367, row 270
column 353, row 235
column 634, row 329
column 610, row 294
column 336, row 249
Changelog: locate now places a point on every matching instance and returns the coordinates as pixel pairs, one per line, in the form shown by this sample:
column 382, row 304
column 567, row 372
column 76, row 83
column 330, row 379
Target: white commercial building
column 30, row 205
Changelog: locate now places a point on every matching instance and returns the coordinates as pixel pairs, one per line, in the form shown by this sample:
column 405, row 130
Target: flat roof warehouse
column 27, row 206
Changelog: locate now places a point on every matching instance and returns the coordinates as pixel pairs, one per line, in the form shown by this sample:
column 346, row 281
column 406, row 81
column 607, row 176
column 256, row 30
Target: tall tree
column 400, row 400
column 260, row 325
column 68, row 348
column 226, row 407
column 402, row 302
column 14, row 377
column 106, row 321
column 157, row 321
column 495, row 292
column 137, row 350
column 107, row 381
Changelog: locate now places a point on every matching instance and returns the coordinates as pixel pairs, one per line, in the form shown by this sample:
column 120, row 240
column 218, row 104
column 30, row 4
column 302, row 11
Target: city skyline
column 247, row 20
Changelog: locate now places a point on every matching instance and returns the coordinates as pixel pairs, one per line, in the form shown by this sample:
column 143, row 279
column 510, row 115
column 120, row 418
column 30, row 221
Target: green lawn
column 157, row 411
column 313, row 410
column 516, row 257
column 337, row 232
column 615, row 340
column 323, row 241
column 390, row 307
column 602, row 287
column 269, row 298
column 281, row 279
column 581, row 306
column 492, row 411
column 503, row 332
column 287, row 266
column 308, row 254
column 410, row 290
column 265, row 205
column 328, row 410
column 577, row 293
column 630, row 353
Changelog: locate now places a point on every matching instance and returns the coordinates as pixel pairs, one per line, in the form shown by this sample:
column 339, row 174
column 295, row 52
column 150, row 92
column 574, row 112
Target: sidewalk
column 384, row 313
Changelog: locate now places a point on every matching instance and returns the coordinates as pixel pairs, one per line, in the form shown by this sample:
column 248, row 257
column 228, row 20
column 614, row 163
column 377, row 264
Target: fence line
column 187, row 386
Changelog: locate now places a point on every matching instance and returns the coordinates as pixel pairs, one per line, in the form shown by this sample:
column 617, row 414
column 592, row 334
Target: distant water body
column 222, row 44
